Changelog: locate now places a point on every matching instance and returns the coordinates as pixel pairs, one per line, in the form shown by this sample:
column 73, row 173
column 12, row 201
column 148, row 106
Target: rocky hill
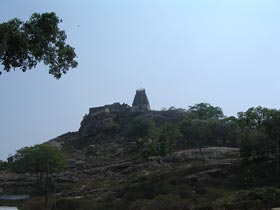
column 105, row 172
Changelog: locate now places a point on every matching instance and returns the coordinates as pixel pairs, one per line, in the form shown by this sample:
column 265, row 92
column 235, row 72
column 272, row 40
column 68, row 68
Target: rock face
column 208, row 153
column 100, row 119
column 95, row 123
column 141, row 102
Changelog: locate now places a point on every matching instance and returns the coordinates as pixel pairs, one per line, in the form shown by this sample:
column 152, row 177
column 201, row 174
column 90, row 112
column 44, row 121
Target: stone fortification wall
column 94, row 110
column 101, row 118
column 116, row 107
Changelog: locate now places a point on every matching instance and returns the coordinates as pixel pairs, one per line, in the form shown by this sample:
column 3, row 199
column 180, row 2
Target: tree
column 24, row 44
column 160, row 142
column 205, row 111
column 197, row 132
column 169, row 135
column 253, row 118
column 252, row 143
column 141, row 127
column 231, row 131
column 272, row 128
column 254, row 134
column 260, row 132
column 43, row 159
column 39, row 159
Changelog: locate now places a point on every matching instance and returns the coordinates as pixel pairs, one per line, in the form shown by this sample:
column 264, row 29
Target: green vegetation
column 205, row 125
column 142, row 127
column 108, row 176
column 24, row 44
column 161, row 143
column 39, row 160
column 260, row 133
column 256, row 131
column 152, row 140
column 204, row 111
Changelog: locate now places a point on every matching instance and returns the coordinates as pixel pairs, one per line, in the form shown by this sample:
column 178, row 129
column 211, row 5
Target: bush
column 141, row 127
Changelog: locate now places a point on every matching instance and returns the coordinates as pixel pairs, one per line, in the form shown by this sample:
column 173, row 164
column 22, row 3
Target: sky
column 183, row 52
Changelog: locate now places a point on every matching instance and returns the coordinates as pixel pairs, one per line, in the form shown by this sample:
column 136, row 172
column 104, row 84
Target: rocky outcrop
column 207, row 153
column 65, row 177
column 96, row 123
column 11, row 181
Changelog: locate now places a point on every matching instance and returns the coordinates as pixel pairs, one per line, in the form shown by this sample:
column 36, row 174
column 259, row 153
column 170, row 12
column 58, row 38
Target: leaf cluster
column 206, row 125
column 38, row 159
column 160, row 142
column 260, row 130
column 24, row 44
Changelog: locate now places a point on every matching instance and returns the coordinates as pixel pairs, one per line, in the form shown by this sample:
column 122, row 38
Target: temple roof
column 141, row 101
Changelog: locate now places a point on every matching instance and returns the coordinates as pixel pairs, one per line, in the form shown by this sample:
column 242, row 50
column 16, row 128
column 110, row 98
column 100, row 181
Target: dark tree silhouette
column 24, row 44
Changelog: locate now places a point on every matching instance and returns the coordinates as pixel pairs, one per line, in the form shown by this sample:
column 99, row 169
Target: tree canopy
column 141, row 127
column 38, row 159
column 24, row 44
column 205, row 111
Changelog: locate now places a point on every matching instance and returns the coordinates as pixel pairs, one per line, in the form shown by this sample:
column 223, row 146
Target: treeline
column 256, row 131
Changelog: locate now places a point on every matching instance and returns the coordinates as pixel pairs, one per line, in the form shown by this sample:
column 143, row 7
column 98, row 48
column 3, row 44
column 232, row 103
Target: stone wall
column 116, row 107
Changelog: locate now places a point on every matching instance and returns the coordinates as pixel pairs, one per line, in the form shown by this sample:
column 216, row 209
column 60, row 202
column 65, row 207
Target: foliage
column 264, row 197
column 256, row 131
column 205, row 111
column 4, row 165
column 201, row 125
column 195, row 131
column 260, row 131
column 141, row 127
column 231, row 131
column 160, row 143
column 38, row 159
column 210, row 132
column 206, row 125
column 24, row 44
column 252, row 142
column 169, row 135
column 253, row 118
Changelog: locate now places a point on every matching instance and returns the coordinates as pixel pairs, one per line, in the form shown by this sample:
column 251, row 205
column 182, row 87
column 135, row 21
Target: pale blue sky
column 183, row 52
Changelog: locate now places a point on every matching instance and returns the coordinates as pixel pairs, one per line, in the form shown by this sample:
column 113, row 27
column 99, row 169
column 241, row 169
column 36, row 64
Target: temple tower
column 141, row 101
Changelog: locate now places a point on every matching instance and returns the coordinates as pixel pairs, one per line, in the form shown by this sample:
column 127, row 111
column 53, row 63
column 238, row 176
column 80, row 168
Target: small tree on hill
column 169, row 135
column 141, row 127
column 39, row 159
column 160, row 143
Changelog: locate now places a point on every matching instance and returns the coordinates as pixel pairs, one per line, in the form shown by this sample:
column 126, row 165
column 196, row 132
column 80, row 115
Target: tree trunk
column 54, row 198
column 201, row 153
column 47, row 184
column 41, row 177
column 277, row 157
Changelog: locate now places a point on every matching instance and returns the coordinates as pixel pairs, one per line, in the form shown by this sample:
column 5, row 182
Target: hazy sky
column 226, row 53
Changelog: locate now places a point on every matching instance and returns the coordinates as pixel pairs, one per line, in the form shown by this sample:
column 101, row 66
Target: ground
column 105, row 172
